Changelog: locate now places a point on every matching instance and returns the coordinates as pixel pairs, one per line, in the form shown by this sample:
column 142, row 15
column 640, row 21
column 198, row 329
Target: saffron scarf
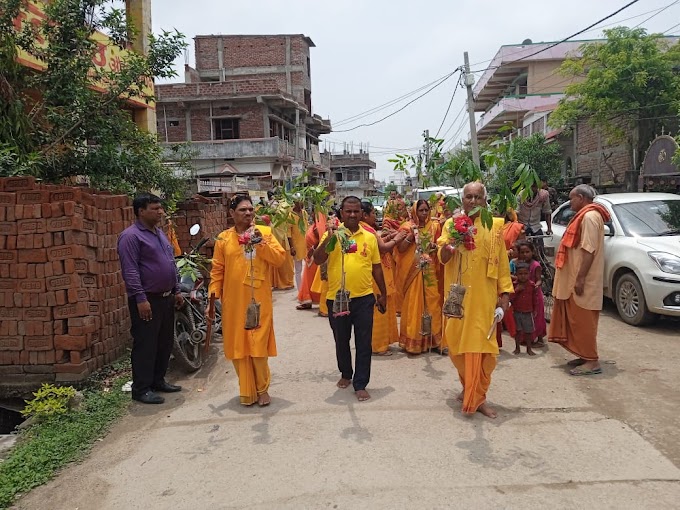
column 572, row 236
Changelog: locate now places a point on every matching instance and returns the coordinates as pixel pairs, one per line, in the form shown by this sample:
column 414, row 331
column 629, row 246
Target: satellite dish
column 195, row 229
column 527, row 41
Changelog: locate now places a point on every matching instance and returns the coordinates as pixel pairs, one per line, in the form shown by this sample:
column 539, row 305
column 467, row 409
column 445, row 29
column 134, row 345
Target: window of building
column 308, row 100
column 338, row 176
column 309, row 67
column 173, row 123
column 226, row 129
column 277, row 129
column 353, row 175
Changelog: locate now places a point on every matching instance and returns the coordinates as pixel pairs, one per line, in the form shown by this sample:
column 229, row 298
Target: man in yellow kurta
column 485, row 272
column 361, row 265
column 237, row 277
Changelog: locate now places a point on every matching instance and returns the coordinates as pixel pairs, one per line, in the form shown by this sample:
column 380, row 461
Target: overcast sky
column 372, row 51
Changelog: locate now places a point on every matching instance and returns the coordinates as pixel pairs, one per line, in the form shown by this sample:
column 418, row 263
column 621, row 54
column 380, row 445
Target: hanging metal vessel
column 426, row 324
column 341, row 303
column 453, row 305
column 253, row 315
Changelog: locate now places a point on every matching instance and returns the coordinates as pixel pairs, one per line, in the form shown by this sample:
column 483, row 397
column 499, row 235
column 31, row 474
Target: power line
column 656, row 14
column 674, row 26
column 462, row 110
column 657, row 10
column 389, row 103
column 552, row 45
column 448, row 109
column 402, row 108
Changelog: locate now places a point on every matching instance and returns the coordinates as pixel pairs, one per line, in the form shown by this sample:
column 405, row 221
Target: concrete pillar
column 139, row 14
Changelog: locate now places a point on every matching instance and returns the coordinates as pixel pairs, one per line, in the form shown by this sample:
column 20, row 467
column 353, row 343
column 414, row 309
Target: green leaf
column 331, row 244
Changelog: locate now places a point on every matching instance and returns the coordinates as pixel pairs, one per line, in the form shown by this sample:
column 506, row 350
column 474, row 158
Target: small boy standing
column 524, row 302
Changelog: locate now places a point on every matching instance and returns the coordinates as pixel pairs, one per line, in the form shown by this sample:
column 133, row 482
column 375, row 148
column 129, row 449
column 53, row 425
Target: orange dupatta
column 572, row 236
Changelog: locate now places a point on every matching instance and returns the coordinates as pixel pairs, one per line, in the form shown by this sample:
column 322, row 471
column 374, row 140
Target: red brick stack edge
column 63, row 308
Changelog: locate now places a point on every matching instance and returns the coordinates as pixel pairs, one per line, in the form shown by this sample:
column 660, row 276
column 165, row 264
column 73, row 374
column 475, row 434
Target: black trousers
column 361, row 317
column 151, row 342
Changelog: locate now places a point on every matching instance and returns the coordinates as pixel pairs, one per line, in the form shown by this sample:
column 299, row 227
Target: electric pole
column 469, row 82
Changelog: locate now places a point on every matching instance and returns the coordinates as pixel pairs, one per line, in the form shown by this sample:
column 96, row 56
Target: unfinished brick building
column 246, row 109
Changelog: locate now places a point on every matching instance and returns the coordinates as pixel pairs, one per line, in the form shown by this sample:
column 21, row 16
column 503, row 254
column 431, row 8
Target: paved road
column 603, row 442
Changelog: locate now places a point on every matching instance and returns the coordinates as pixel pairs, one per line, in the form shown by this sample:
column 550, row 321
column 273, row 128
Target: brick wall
column 596, row 158
column 212, row 214
column 257, row 52
column 267, row 84
column 249, row 51
column 63, row 307
column 253, row 51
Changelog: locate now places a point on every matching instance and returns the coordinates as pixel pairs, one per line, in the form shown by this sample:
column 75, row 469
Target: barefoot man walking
column 484, row 270
column 362, row 266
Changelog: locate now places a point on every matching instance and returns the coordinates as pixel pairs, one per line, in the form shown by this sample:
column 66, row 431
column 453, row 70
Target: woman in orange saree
column 306, row 296
column 385, row 329
column 419, row 282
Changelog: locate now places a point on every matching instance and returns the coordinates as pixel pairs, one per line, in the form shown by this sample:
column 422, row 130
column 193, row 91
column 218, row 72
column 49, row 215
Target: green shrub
column 49, row 401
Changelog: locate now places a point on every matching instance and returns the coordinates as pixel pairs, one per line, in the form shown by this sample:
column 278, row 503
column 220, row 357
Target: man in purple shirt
column 148, row 265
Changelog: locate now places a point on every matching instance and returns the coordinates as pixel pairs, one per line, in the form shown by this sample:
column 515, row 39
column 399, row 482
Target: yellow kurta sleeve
column 270, row 249
column 504, row 276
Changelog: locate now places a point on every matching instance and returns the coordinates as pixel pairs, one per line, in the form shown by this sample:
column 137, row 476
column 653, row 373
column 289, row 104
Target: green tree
column 390, row 188
column 630, row 81
column 544, row 158
column 458, row 168
column 55, row 125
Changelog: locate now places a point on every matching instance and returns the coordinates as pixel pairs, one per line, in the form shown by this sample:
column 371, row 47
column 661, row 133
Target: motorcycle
column 191, row 324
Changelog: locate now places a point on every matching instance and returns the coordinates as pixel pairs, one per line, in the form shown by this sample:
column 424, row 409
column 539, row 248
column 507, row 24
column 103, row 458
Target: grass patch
column 45, row 447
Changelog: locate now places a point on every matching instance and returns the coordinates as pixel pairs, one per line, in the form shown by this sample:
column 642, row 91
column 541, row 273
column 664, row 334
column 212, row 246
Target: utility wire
column 400, row 109
column 656, row 14
column 389, row 103
column 552, row 45
column 448, row 109
column 591, row 30
column 673, row 27
column 462, row 110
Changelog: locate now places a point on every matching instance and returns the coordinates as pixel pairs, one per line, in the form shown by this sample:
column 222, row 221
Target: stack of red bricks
column 212, row 214
column 63, row 307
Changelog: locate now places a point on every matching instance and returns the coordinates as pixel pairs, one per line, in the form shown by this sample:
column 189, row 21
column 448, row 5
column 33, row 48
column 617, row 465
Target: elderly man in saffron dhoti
column 481, row 265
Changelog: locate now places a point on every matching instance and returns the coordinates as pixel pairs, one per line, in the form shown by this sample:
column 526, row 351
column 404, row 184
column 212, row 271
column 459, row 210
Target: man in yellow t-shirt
column 362, row 266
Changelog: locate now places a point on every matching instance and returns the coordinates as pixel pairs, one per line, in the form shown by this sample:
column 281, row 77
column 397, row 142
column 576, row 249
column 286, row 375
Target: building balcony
column 510, row 111
column 257, row 148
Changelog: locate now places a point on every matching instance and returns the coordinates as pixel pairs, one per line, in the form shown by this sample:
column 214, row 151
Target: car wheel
column 630, row 301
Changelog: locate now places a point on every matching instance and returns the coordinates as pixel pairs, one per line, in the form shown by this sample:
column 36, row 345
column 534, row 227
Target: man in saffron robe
column 485, row 272
column 578, row 282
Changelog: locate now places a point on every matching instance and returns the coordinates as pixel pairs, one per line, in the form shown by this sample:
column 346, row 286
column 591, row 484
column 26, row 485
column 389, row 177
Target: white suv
column 642, row 253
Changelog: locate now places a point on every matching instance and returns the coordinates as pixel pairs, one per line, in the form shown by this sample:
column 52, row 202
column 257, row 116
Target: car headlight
column 667, row 262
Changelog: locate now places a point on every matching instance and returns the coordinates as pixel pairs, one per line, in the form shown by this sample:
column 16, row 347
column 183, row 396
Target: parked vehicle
column 191, row 325
column 426, row 193
column 642, row 253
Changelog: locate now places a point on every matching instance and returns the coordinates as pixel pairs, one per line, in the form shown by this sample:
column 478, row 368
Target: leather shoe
column 149, row 398
column 166, row 387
